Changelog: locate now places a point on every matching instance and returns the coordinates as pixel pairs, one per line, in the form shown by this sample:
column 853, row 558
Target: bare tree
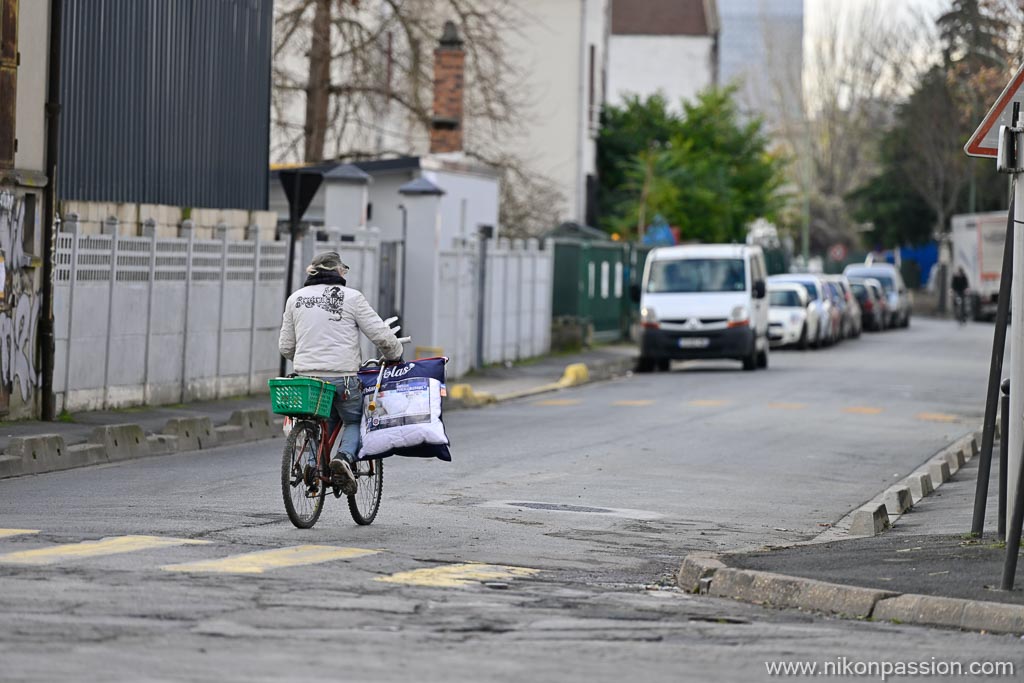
column 363, row 69
column 857, row 68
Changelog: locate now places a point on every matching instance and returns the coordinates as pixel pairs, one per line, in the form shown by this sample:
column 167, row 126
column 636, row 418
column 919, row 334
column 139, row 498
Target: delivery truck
column 978, row 240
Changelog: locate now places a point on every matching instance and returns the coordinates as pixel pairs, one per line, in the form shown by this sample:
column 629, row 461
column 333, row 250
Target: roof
column 347, row 173
column 370, row 167
column 420, row 186
column 702, row 251
column 577, row 231
column 664, row 17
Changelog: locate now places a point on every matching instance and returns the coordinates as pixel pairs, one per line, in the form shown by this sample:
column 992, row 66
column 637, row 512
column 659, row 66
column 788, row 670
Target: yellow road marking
column 107, row 546
column 558, row 402
column 708, row 403
column 936, row 417
column 4, row 533
column 455, row 575
column 787, row 406
column 260, row 561
column 862, row 410
column 633, row 403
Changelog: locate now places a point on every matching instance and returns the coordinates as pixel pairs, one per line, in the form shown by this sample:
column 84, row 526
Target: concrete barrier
column 193, row 433
column 85, row 454
column 897, row 500
column 40, row 453
column 231, row 434
column 696, row 567
column 920, row 484
column 869, row 520
column 121, row 441
column 10, row 466
column 255, row 424
column 162, row 444
column 938, row 469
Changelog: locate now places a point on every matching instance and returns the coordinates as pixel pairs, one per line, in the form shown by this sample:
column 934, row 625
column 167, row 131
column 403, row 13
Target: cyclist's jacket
column 320, row 331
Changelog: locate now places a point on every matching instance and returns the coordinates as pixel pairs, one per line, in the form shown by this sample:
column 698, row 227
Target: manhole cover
column 563, row 508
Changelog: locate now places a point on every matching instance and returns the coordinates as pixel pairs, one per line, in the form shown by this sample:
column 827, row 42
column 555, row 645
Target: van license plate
column 694, row 342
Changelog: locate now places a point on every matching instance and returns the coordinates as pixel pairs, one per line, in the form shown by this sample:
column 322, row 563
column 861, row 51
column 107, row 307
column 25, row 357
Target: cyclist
column 960, row 285
column 320, row 335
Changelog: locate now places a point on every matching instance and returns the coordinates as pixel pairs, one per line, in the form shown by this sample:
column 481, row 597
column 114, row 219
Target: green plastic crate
column 301, row 397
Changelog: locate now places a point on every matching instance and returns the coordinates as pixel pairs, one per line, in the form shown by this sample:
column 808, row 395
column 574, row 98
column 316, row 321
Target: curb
column 707, row 574
column 882, row 511
column 113, row 443
column 462, row 396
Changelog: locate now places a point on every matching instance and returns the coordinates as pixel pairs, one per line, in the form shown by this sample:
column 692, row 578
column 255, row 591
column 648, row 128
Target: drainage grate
column 562, row 508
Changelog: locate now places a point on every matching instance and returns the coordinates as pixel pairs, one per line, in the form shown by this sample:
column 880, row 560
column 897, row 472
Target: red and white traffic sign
column 837, row 252
column 985, row 141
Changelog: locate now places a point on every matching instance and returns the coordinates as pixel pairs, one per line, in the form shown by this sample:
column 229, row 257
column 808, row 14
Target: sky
column 815, row 11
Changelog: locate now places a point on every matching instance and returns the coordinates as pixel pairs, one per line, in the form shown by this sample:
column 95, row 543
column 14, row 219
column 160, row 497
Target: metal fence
column 166, row 102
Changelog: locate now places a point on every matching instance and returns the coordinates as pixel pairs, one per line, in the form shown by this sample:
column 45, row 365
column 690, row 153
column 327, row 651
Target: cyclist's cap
column 329, row 260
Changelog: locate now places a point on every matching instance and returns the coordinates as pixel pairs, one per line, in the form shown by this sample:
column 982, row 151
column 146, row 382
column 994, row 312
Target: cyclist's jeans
column 348, row 410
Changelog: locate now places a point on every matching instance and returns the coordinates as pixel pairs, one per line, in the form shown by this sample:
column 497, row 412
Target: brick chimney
column 449, row 66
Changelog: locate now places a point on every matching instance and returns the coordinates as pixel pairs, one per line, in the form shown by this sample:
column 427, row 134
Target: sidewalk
column 928, row 551
column 496, row 383
column 927, row 569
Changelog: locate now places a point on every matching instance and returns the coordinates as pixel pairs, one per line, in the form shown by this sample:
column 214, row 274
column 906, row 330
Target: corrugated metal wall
column 166, row 102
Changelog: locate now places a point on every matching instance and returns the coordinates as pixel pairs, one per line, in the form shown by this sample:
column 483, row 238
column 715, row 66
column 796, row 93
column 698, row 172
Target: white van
column 704, row 301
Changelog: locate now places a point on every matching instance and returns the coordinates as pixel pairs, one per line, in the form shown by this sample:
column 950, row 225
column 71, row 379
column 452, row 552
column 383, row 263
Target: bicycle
column 305, row 464
column 960, row 307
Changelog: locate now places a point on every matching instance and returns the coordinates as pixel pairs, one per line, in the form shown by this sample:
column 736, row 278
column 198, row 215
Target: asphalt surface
column 651, row 467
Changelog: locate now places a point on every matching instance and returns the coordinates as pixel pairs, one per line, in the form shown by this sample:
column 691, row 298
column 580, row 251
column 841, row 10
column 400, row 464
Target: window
column 698, row 275
column 605, row 276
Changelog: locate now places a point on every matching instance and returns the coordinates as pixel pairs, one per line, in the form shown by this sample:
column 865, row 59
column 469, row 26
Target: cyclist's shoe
column 343, row 476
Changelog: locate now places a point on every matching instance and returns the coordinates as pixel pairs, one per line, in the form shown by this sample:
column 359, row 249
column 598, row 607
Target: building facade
column 662, row 46
column 762, row 51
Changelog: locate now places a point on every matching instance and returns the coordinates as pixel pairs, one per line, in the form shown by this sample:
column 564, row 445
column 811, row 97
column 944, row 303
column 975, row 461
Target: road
column 651, row 467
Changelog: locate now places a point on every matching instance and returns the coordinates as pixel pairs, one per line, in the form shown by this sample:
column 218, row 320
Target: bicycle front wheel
column 365, row 502
column 300, row 480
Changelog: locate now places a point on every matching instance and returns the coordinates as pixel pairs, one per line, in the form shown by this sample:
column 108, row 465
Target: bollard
column 1004, row 458
column 1013, row 536
column 994, row 373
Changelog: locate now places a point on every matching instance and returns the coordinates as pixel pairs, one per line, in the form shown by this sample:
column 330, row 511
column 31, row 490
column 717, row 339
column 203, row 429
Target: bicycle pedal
column 337, row 492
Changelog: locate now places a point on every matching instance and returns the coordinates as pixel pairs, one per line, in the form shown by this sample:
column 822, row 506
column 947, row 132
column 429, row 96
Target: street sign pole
column 1016, row 421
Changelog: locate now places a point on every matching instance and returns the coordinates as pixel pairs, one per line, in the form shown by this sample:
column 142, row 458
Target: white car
column 792, row 321
column 820, row 306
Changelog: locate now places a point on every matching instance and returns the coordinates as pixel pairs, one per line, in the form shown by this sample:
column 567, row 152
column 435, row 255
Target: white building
column 662, row 46
column 561, row 51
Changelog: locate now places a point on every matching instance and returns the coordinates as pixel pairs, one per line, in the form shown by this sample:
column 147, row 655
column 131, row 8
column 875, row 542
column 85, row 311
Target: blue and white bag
column 406, row 419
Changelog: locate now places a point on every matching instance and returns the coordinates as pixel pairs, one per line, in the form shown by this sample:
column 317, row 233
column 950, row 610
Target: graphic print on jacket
column 332, row 301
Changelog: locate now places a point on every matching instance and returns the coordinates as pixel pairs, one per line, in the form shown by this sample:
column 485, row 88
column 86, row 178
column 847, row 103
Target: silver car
column 896, row 294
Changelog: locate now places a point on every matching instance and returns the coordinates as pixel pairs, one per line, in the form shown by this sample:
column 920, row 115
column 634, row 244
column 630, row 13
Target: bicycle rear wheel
column 365, row 503
column 300, row 482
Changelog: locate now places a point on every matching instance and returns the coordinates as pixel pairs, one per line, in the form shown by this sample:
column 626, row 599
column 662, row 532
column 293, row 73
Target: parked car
column 883, row 302
column 827, row 315
column 872, row 304
column 852, row 323
column 792, row 321
column 704, row 301
column 896, row 292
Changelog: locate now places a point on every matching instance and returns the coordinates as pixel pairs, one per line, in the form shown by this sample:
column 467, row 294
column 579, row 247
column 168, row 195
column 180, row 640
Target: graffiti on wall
column 19, row 303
